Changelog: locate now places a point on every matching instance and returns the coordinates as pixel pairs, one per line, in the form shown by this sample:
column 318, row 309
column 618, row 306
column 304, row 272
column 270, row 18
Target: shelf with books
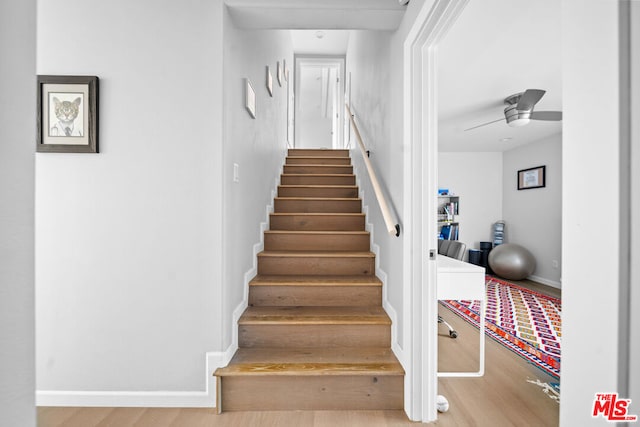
column 448, row 210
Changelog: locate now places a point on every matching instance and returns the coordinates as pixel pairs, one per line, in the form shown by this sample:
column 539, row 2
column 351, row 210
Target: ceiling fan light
column 514, row 123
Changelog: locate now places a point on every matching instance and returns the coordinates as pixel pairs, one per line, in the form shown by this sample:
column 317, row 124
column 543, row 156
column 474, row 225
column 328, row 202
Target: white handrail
column 392, row 226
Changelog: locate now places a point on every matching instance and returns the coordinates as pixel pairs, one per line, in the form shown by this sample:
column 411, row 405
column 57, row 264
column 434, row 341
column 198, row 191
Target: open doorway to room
column 319, row 101
column 480, row 155
column 319, row 87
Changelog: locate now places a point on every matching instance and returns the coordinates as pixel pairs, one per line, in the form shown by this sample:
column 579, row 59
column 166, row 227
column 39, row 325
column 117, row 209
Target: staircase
column 315, row 335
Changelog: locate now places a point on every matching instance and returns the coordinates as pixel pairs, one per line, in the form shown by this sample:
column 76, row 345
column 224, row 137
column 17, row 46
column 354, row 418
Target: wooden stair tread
column 323, row 151
column 311, row 369
column 317, row 186
column 318, row 213
column 316, row 157
column 314, row 316
column 339, row 175
column 315, row 355
column 316, row 254
column 313, row 361
column 324, row 199
column 268, row 280
column 319, row 232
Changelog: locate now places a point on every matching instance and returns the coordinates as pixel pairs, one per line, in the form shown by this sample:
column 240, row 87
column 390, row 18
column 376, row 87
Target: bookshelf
column 448, row 211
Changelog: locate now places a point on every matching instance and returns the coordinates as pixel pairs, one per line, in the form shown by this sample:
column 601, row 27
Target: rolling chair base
column 452, row 332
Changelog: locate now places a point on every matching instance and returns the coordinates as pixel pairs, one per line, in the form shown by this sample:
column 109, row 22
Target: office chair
column 454, row 249
column 443, row 246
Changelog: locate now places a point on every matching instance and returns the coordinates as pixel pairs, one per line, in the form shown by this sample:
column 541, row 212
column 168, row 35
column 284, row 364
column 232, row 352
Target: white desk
column 460, row 280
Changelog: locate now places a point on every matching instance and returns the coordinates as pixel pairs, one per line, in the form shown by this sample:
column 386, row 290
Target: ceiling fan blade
column 547, row 115
column 530, row 98
column 484, row 124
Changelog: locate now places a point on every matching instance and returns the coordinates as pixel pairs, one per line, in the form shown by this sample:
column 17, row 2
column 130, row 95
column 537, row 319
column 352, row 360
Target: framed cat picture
column 67, row 114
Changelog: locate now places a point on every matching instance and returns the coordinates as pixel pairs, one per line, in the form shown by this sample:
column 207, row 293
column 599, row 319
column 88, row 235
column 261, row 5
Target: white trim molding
column 149, row 399
column 253, row 271
column 547, row 282
column 162, row 398
column 420, row 127
column 381, row 274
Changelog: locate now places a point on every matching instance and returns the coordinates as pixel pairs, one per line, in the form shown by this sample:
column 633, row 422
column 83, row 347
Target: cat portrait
column 65, row 120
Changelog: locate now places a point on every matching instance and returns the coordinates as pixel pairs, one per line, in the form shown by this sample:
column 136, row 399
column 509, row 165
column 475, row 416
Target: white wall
column 258, row 147
column 477, row 179
column 377, row 97
column 17, row 136
column 128, row 240
column 368, row 57
column 377, row 86
column 534, row 217
column 591, row 171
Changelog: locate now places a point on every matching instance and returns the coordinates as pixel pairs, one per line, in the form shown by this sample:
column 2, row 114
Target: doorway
column 319, row 113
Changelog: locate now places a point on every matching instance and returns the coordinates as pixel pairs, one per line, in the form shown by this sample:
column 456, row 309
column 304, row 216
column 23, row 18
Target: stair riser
column 318, row 161
column 317, row 180
column 316, row 242
column 318, row 169
column 314, row 335
column 317, row 222
column 315, row 296
column 318, row 153
column 333, row 392
column 317, row 192
column 319, row 206
column 315, row 266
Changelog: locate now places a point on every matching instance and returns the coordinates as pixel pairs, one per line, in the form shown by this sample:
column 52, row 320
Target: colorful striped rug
column 526, row 322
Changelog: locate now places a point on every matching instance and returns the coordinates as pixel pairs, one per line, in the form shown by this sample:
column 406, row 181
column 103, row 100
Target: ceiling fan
column 519, row 109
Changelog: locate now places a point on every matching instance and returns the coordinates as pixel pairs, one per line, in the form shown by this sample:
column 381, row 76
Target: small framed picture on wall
column 250, row 98
column 279, row 73
column 269, row 81
column 67, row 114
column 532, row 178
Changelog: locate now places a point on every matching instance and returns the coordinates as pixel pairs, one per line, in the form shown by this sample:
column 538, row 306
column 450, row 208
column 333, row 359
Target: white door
column 318, row 102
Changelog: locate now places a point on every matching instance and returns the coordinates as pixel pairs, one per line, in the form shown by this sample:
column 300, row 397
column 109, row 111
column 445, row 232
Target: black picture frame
column 532, row 178
column 67, row 114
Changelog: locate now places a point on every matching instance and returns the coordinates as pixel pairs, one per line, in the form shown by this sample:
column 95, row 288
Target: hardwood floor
column 169, row 417
column 503, row 397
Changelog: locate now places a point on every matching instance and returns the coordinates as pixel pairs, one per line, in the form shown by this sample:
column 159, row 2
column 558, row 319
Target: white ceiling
column 495, row 49
column 333, row 42
column 316, row 14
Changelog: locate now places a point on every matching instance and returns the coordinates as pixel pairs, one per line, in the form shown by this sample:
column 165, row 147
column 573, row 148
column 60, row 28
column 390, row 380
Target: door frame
column 420, row 127
column 300, row 60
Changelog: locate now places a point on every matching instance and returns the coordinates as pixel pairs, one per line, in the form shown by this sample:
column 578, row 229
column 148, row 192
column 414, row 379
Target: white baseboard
column 382, row 275
column 147, row 399
column 150, row 399
column 547, row 282
column 169, row 399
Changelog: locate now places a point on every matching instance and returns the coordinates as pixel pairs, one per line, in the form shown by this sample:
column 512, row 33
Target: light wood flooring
column 503, row 397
